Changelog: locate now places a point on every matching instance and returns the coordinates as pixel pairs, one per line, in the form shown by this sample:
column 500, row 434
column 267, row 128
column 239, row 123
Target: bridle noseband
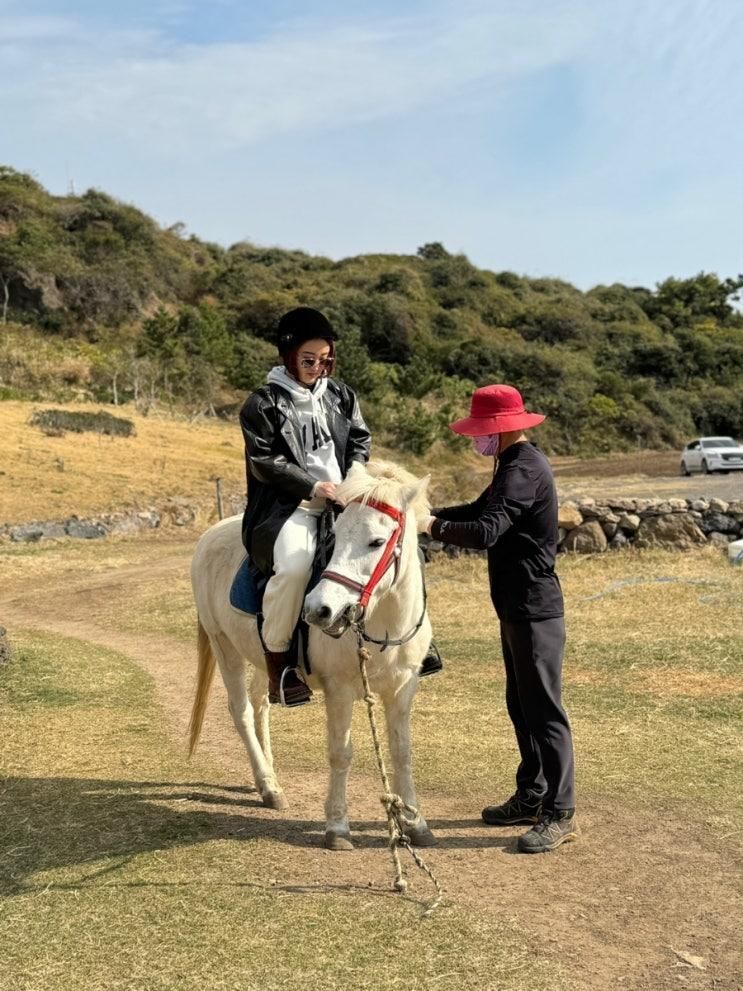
column 390, row 558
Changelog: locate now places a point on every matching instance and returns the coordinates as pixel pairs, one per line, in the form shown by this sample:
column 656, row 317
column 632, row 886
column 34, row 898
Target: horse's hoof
column 422, row 837
column 337, row 841
column 275, row 800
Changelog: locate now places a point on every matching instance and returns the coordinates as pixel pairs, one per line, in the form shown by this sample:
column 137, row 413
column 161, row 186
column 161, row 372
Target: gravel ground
column 645, row 475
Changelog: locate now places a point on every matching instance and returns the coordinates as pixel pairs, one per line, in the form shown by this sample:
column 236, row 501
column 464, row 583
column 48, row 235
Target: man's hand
column 325, row 490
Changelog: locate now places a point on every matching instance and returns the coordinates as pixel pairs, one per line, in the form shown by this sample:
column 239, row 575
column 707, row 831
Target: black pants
column 532, row 652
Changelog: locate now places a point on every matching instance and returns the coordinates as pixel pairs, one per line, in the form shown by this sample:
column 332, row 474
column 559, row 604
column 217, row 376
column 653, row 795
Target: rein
column 390, row 558
column 400, row 816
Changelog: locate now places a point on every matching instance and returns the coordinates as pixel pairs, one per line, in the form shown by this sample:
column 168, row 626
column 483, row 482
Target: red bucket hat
column 496, row 409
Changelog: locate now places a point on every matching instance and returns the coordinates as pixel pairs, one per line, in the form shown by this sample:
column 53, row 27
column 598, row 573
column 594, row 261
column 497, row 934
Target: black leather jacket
column 275, row 462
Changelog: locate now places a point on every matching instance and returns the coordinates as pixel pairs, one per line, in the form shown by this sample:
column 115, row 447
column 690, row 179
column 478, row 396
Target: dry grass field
column 125, row 867
column 46, row 477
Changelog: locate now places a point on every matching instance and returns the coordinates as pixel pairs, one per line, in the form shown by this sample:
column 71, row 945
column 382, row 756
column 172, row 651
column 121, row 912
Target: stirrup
column 289, row 703
column 431, row 663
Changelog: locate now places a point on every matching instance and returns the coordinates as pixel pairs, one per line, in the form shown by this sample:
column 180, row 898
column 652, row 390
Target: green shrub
column 414, row 429
column 59, row 421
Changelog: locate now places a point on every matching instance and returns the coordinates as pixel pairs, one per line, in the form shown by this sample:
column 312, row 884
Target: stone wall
column 87, row 529
column 591, row 527
column 585, row 527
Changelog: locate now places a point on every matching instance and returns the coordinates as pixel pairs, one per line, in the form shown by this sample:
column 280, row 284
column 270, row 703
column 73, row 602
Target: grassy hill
column 99, row 303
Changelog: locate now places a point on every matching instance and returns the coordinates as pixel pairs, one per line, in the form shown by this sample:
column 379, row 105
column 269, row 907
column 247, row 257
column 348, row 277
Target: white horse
column 365, row 535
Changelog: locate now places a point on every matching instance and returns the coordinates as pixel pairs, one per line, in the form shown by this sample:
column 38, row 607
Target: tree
column 434, row 251
column 683, row 302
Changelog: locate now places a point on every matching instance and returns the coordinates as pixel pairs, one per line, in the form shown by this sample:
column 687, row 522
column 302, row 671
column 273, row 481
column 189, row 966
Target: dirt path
column 612, row 908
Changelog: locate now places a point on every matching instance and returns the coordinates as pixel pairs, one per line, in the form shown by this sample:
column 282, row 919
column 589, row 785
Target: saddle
column 249, row 585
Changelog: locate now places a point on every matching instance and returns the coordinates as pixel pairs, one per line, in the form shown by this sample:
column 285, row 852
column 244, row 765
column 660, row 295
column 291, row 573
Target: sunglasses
column 311, row 362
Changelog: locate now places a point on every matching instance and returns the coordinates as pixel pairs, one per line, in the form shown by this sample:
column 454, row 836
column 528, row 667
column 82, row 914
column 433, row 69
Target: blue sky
column 588, row 140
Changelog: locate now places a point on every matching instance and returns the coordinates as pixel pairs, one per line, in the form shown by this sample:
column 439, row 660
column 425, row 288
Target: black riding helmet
column 303, row 324
column 300, row 325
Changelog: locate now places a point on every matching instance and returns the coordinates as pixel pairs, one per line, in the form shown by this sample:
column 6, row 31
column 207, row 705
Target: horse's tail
column 204, row 678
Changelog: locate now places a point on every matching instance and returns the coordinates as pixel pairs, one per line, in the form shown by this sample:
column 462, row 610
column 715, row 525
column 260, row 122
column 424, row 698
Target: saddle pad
column 246, row 592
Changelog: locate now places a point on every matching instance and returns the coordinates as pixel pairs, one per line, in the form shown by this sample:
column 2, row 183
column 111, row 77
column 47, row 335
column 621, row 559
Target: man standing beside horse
column 515, row 519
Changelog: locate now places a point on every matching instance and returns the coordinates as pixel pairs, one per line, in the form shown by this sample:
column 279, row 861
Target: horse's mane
column 385, row 482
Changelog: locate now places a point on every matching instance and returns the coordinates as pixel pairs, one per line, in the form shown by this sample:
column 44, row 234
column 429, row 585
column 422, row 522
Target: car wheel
column 684, row 470
column 705, row 468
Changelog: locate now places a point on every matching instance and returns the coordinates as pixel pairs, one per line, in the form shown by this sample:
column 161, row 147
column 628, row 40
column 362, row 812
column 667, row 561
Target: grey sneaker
column 553, row 829
column 513, row 812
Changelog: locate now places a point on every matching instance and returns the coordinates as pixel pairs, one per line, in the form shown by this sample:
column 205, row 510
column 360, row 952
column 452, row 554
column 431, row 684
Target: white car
column 708, row 454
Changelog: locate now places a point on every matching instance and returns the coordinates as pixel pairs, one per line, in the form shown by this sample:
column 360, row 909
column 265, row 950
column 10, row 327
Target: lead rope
column 394, row 805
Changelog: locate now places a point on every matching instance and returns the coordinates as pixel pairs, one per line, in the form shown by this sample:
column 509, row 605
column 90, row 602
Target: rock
column 32, row 532
column 588, row 538
column 28, row 533
column 622, row 505
column 568, row 516
column 719, row 539
column 677, row 531
column 629, row 522
column 657, row 507
column 596, row 512
column 618, row 541
column 179, row 512
column 641, row 505
column 700, row 505
column 736, row 506
column 150, row 518
column 561, row 535
column 609, row 528
column 132, row 522
column 86, row 529
column 718, row 505
column 678, row 505
column 719, row 522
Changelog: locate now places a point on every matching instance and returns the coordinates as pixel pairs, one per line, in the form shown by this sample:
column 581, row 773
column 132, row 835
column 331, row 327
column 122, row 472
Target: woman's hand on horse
column 325, row 490
column 424, row 524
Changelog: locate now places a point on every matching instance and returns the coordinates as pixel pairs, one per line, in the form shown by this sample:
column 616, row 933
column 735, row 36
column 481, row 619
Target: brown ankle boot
column 285, row 687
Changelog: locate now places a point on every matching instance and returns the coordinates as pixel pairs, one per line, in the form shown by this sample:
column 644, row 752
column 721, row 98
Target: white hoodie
column 322, row 464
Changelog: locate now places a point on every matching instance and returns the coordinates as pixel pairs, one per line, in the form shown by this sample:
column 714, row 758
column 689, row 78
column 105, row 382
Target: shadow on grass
column 56, row 823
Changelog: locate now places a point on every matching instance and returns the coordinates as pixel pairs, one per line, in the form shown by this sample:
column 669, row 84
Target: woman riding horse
column 303, row 430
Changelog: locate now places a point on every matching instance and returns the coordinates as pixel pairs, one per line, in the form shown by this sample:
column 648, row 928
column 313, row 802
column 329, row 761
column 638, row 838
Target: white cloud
column 221, row 96
column 24, row 29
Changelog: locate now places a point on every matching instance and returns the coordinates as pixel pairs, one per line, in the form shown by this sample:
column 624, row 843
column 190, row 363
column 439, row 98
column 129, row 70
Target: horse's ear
column 414, row 496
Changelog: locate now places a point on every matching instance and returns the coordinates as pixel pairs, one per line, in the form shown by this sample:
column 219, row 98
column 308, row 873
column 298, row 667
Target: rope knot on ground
column 400, row 816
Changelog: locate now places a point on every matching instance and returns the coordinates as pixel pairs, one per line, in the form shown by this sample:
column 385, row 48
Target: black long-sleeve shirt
column 515, row 519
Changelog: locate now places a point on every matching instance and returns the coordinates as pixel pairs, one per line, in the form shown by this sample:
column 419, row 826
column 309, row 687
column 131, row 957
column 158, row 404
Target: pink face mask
column 487, row 445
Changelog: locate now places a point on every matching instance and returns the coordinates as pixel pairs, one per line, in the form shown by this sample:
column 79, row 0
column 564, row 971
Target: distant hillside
column 98, row 302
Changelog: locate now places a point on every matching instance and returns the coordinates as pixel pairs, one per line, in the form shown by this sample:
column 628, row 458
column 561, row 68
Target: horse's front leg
column 261, row 709
column 338, row 710
column 397, row 706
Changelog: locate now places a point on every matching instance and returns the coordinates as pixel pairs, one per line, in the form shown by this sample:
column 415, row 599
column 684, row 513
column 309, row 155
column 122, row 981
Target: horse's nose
column 317, row 615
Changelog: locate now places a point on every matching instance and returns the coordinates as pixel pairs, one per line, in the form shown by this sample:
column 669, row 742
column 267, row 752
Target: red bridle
column 390, row 556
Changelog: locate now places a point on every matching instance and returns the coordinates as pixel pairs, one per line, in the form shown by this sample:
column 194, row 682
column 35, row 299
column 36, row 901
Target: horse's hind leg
column 338, row 709
column 232, row 666
column 397, row 706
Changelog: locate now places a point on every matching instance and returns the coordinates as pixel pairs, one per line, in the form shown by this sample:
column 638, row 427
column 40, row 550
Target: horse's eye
column 379, row 542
